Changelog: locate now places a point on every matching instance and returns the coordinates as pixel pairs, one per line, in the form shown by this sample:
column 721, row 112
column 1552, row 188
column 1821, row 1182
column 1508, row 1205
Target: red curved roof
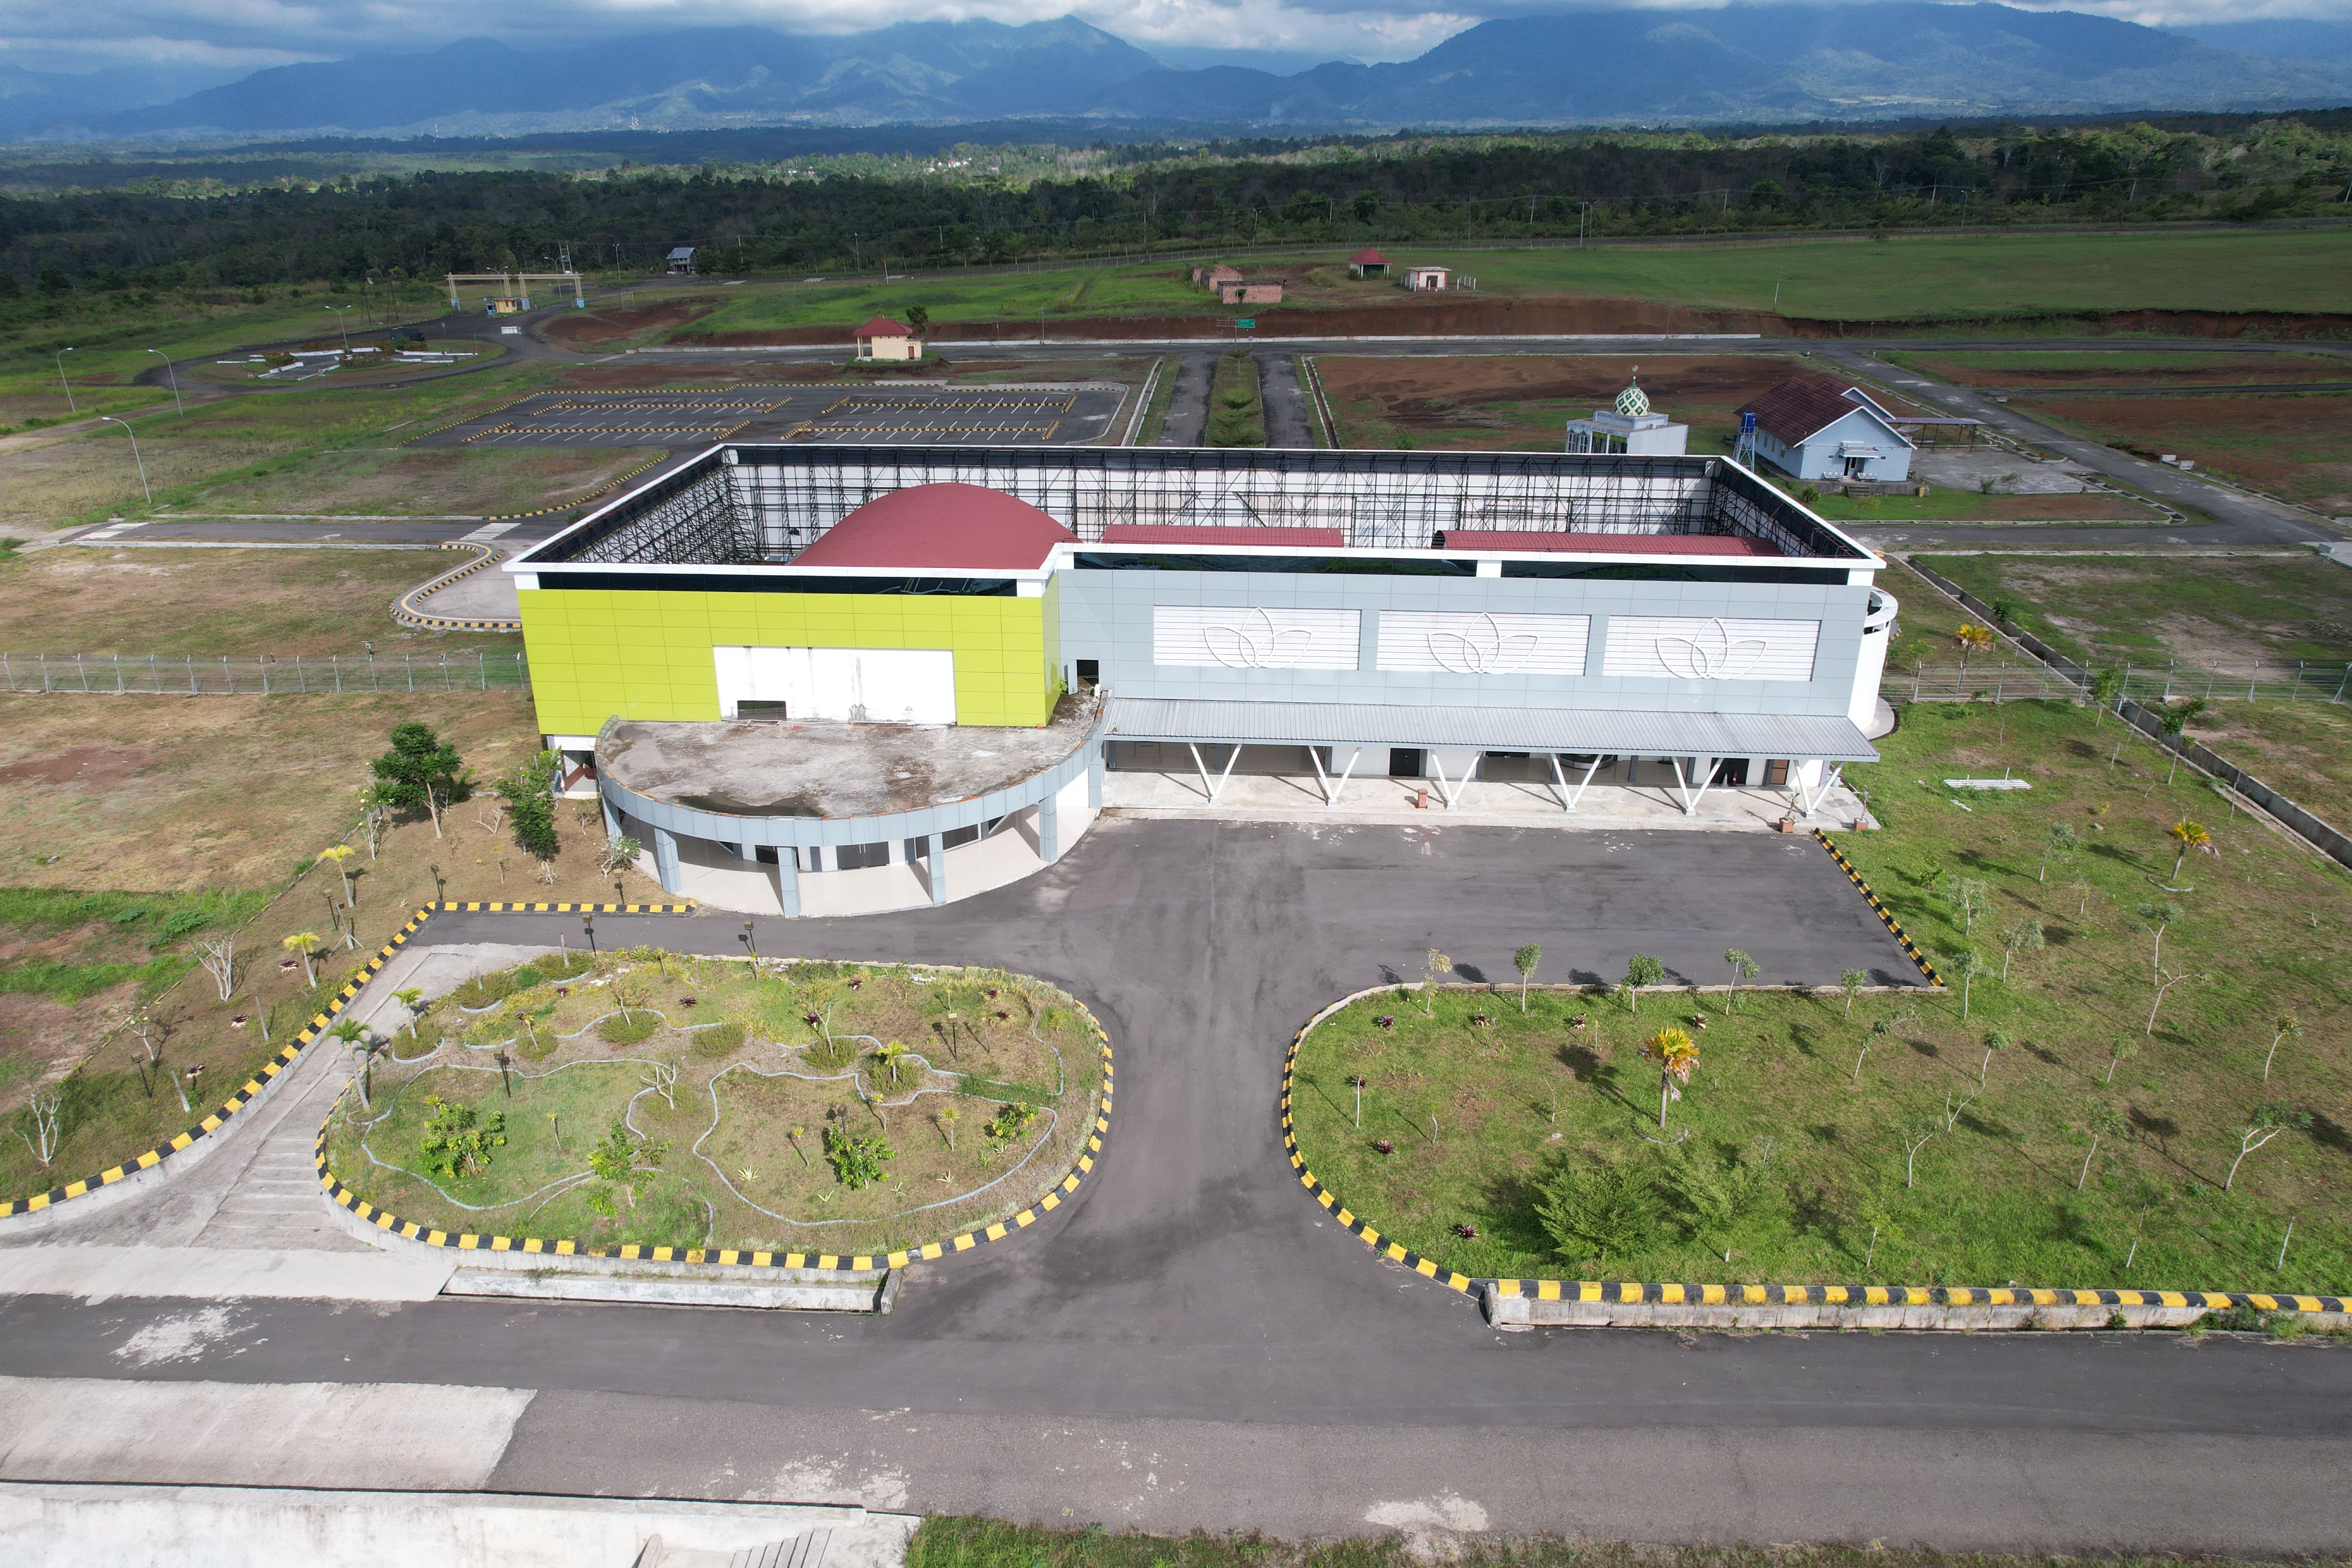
column 1365, row 255
column 883, row 327
column 940, row 528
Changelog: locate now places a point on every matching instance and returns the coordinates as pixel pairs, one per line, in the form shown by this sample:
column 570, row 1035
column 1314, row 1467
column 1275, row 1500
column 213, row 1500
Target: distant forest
column 1137, row 200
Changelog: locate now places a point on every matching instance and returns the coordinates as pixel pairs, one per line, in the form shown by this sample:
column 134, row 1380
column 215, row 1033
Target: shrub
column 857, row 1161
column 715, row 1040
column 619, row 1031
column 526, row 977
column 483, row 990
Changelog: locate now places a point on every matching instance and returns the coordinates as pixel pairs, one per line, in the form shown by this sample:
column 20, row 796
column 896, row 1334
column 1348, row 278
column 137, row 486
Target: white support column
column 1585, row 783
column 1215, row 791
column 788, row 879
column 1813, row 801
column 1322, row 779
column 937, row 854
column 1682, row 784
column 1451, row 790
column 1348, row 772
column 1559, row 780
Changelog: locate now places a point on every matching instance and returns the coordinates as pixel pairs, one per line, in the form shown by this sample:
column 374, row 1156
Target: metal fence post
column 409, row 661
column 338, row 670
column 118, row 675
column 228, row 678
column 83, row 670
column 45, row 672
column 192, row 674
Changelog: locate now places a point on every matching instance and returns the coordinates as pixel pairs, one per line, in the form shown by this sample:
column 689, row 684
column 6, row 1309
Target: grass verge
column 2054, row 1125
column 1236, row 413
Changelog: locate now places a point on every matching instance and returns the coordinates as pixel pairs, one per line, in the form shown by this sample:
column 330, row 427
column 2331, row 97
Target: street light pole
column 64, row 383
column 342, row 319
column 135, row 458
column 174, row 376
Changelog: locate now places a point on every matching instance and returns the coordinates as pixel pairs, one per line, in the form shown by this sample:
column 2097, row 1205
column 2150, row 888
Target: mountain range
column 1747, row 63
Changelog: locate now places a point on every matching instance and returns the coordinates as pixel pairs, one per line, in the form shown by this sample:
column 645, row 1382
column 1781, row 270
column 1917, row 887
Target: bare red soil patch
column 2194, row 369
column 606, row 326
column 2300, row 447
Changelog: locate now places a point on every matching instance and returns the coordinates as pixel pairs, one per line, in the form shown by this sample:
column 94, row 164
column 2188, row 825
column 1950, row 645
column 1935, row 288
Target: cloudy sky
column 221, row 38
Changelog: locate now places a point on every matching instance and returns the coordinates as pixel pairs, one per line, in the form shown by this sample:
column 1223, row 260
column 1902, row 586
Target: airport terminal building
column 826, row 679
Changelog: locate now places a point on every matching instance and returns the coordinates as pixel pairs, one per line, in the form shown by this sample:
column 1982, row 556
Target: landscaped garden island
column 2133, row 1076
column 643, row 1097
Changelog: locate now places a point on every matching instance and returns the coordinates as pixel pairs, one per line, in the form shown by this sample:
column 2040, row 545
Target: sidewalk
column 1281, row 797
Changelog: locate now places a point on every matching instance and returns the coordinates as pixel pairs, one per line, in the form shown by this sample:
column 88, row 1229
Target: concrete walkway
column 1282, row 797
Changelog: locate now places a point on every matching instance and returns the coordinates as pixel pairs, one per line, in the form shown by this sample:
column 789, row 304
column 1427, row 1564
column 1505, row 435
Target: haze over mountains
column 1744, row 63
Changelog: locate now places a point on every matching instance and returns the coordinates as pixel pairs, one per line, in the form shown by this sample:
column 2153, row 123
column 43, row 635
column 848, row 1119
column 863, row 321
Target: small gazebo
column 1367, row 263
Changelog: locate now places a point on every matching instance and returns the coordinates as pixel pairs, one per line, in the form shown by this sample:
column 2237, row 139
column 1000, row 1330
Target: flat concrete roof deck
column 751, row 767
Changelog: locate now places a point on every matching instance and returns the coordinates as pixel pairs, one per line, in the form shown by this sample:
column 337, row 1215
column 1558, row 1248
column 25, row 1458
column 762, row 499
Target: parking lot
column 860, row 415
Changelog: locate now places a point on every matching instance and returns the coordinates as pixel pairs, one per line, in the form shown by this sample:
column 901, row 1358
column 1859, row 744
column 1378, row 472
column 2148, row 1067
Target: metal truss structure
column 764, row 504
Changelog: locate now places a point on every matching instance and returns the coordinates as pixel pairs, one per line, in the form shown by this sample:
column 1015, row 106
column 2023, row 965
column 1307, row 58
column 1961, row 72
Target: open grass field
column 2296, row 446
column 174, row 601
column 751, row 1097
column 2127, row 368
column 216, row 805
column 65, row 477
column 2150, row 610
column 1952, row 1147
column 1941, row 505
column 1520, row 402
column 388, row 481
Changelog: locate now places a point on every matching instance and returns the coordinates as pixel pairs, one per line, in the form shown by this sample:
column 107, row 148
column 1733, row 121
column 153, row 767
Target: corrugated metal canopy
column 1582, row 731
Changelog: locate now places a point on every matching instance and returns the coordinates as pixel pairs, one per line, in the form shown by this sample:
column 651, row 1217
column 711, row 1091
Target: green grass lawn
column 2126, row 367
column 747, row 1095
column 2107, row 609
column 1236, row 413
column 1817, row 1117
column 1146, row 289
column 1966, row 506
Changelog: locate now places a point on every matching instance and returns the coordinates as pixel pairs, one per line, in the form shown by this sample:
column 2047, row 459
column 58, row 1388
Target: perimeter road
column 1190, row 1342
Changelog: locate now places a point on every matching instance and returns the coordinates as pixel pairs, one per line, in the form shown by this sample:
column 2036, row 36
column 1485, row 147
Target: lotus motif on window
column 1260, row 645
column 1482, row 651
column 1711, row 654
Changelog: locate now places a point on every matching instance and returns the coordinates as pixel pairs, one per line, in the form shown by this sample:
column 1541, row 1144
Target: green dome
column 1632, row 403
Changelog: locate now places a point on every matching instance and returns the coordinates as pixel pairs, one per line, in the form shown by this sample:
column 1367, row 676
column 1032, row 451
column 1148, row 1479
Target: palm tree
column 337, row 853
column 1851, row 982
column 2282, row 1026
column 302, row 945
column 1676, row 1055
column 412, row 1000
column 354, row 1037
column 1971, row 639
column 1742, row 968
column 2187, row 836
column 889, row 1055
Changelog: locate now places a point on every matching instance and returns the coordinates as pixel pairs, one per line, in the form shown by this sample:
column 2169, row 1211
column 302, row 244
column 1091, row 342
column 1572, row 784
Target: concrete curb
column 1910, row 948
column 615, row 482
column 1595, row 1303
column 138, row 1171
column 377, row 1226
column 875, row 1294
column 405, row 610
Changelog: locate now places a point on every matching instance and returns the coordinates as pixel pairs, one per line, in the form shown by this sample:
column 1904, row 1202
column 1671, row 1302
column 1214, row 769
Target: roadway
column 1191, row 1342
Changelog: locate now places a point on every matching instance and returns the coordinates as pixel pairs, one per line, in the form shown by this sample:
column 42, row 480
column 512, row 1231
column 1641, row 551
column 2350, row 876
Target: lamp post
column 175, row 377
column 343, row 319
column 588, row 925
column 64, row 383
column 748, row 940
column 135, row 458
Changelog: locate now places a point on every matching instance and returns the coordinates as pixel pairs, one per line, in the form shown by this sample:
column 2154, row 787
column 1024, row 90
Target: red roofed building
column 942, row 528
column 1367, row 263
column 1815, row 429
column 882, row 337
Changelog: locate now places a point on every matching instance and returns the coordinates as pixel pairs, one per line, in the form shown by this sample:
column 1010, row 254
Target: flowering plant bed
column 642, row 1097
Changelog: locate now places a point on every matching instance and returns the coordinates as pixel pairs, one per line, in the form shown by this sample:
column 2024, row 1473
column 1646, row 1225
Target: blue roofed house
column 1811, row 427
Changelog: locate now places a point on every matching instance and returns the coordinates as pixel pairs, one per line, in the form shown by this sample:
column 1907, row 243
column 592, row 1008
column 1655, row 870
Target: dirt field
column 176, row 796
column 2118, row 608
column 383, row 482
column 84, row 599
column 610, row 325
column 2299, row 447
column 2126, row 367
column 1518, row 402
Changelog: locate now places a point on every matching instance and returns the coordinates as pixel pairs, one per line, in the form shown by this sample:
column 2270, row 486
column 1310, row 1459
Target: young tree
column 1436, row 967
column 1994, row 1040
column 946, row 1120
column 1968, row 964
column 2174, row 720
column 631, row 995
column 354, row 1037
column 2121, row 1051
column 2025, row 936
column 889, row 1055
column 412, row 1000
column 1742, row 968
column 218, row 956
column 619, row 854
column 302, row 945
column 2187, row 836
column 1879, row 1031
column 1676, row 1057
column 529, row 795
column 43, row 1123
column 1640, row 970
column 421, row 772
column 2282, row 1026
column 2082, row 891
column 631, row 1162
column 1972, row 897
column 2165, row 980
column 794, row 1134
column 2062, row 842
column 2266, row 1123
column 336, row 855
column 2102, row 1120
column 1970, row 638
column 1524, row 961
column 919, row 318
column 1851, row 982
column 1597, row 1210
column 2106, row 691
column 2161, row 915
column 1915, row 1138
column 376, row 807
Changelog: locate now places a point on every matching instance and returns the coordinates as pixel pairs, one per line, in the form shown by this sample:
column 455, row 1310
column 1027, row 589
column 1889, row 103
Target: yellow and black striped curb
column 615, row 482
column 1909, row 947
column 860, row 1263
column 1629, row 1292
column 405, row 610
column 287, row 1056
column 469, row 418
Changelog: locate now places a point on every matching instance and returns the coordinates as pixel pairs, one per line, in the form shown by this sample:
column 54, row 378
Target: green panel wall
column 597, row 653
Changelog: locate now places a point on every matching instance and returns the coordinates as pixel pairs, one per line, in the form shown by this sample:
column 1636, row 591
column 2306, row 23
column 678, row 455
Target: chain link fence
column 1999, row 681
column 219, row 675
